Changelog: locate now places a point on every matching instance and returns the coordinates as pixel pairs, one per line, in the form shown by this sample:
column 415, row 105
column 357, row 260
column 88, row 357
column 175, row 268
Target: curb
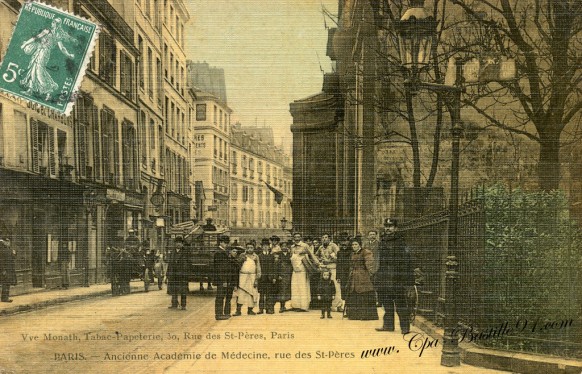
column 60, row 300
column 516, row 362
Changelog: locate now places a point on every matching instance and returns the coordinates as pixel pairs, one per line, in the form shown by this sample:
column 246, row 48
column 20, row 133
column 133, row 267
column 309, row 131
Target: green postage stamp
column 47, row 56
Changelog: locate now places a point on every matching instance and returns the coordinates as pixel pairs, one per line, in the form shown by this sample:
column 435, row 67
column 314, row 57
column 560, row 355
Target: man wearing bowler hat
column 394, row 278
column 224, row 278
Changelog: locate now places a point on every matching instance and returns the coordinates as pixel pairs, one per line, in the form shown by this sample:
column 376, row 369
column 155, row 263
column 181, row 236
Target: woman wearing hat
column 361, row 299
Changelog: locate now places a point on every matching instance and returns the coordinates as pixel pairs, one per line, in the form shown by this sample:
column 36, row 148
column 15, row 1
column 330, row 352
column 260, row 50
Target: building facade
column 118, row 165
column 150, row 91
column 176, row 109
column 210, row 154
column 256, row 210
column 333, row 133
column 72, row 182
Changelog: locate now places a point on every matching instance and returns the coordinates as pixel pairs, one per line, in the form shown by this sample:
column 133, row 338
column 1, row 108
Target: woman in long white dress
column 300, row 288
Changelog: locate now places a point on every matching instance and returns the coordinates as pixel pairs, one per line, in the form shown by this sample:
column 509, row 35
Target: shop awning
column 187, row 228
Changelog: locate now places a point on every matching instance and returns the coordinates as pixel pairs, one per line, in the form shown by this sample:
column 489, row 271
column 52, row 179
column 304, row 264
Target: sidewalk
column 42, row 299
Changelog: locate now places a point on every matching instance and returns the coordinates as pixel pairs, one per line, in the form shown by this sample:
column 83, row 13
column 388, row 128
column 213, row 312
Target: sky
column 272, row 53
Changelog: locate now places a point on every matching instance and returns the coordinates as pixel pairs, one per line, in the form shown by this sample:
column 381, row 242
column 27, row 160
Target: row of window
column 175, row 121
column 248, row 195
column 109, row 63
column 220, row 148
column 107, row 66
column 220, row 179
column 248, row 170
column 173, row 23
column 220, row 118
column 150, row 131
column 174, row 71
column 98, row 137
column 150, row 73
column 177, row 173
column 247, row 218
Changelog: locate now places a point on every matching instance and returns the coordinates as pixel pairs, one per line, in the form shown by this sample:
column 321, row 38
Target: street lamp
column 416, row 31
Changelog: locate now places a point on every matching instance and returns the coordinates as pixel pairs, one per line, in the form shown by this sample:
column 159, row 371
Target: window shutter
column 106, row 146
column 34, row 145
column 82, row 139
column 102, row 55
column 116, row 158
column 122, row 74
column 96, row 143
column 130, row 77
column 51, row 151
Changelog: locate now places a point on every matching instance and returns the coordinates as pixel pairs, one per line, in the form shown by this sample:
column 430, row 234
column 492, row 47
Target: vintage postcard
column 302, row 186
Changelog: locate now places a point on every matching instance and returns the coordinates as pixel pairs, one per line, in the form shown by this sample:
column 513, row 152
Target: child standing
column 326, row 293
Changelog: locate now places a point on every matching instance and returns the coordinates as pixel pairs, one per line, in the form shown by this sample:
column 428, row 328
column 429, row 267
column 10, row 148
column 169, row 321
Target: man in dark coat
column 284, row 272
column 223, row 278
column 394, row 278
column 149, row 256
column 178, row 273
column 7, row 268
column 265, row 285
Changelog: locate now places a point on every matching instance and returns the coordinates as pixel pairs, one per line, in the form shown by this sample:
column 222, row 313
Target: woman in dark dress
column 284, row 271
column 344, row 257
column 361, row 299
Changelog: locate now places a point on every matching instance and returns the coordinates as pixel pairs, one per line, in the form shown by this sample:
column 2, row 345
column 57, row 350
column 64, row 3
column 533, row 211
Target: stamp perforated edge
column 83, row 66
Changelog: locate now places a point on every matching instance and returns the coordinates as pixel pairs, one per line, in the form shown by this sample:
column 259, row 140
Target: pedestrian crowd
column 353, row 277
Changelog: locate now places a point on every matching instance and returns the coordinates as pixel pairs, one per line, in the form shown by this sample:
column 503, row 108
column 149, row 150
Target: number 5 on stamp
column 47, row 56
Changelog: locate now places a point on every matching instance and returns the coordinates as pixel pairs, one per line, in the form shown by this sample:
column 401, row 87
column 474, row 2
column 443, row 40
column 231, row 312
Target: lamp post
column 416, row 32
column 90, row 202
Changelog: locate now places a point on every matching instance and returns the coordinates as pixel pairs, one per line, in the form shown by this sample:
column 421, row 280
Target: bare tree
column 544, row 36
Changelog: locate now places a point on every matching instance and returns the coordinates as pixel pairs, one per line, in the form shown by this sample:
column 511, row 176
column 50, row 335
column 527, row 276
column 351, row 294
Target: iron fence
column 519, row 260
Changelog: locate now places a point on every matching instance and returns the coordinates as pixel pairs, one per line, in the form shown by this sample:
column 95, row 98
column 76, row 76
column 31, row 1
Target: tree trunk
column 549, row 160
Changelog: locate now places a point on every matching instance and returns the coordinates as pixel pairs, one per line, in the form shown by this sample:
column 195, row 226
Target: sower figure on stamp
column 37, row 79
column 394, row 278
column 223, row 279
column 7, row 265
column 178, row 274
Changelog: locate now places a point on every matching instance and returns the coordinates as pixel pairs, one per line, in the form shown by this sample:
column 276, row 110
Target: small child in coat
column 326, row 293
